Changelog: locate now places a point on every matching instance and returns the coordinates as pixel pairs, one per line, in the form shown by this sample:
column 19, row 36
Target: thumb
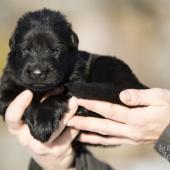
column 133, row 97
column 16, row 109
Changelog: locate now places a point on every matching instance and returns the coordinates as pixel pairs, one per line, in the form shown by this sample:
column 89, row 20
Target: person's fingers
column 101, row 126
column 134, row 97
column 73, row 106
column 108, row 141
column 108, row 110
column 16, row 109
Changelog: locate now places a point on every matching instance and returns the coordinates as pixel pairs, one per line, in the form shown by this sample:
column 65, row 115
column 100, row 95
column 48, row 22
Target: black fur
column 44, row 55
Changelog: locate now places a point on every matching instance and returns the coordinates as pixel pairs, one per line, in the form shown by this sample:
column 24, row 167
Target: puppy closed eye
column 25, row 51
column 55, row 50
column 22, row 52
column 58, row 49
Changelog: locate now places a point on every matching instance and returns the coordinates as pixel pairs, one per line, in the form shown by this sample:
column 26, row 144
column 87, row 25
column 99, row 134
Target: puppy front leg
column 95, row 91
column 43, row 118
column 100, row 91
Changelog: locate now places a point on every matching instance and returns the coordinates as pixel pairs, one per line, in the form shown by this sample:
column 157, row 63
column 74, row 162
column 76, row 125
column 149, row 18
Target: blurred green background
column 137, row 31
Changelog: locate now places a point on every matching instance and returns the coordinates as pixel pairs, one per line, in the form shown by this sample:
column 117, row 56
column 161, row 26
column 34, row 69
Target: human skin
column 57, row 153
column 124, row 125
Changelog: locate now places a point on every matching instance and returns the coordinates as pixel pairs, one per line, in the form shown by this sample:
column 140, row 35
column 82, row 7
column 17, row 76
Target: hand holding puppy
column 123, row 125
column 57, row 153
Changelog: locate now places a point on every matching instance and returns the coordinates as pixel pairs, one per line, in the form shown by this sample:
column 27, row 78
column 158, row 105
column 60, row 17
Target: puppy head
column 43, row 50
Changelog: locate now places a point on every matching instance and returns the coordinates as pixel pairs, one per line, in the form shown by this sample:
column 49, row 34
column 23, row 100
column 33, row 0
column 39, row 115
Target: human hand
column 57, row 153
column 123, row 125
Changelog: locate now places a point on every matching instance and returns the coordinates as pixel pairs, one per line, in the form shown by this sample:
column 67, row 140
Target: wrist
column 65, row 162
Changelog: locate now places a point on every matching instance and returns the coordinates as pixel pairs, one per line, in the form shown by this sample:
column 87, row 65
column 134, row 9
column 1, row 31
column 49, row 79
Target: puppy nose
column 38, row 74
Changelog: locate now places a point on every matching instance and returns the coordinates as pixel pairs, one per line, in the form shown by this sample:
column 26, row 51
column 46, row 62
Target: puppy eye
column 24, row 50
column 55, row 51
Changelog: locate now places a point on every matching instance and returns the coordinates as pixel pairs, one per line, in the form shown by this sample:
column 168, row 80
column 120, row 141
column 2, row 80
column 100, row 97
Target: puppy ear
column 12, row 42
column 74, row 40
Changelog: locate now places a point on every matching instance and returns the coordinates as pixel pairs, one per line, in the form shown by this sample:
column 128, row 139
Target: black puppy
column 44, row 56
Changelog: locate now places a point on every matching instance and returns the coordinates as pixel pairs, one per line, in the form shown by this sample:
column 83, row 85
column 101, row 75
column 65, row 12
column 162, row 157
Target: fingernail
column 26, row 95
column 125, row 96
column 72, row 103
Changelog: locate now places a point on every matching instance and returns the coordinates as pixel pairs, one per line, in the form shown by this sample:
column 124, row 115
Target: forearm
column 83, row 160
column 64, row 161
column 51, row 165
column 162, row 146
column 35, row 166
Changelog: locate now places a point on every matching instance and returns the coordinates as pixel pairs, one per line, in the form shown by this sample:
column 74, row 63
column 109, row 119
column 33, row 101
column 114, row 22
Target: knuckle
column 103, row 129
column 135, row 97
column 103, row 142
column 138, row 137
column 12, row 119
column 137, row 143
column 106, row 142
column 9, row 118
column 110, row 112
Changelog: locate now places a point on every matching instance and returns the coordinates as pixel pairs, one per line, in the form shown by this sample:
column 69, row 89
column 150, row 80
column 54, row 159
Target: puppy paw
column 44, row 121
